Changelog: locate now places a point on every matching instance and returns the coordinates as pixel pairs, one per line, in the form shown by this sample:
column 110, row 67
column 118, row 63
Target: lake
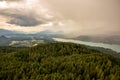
column 114, row 47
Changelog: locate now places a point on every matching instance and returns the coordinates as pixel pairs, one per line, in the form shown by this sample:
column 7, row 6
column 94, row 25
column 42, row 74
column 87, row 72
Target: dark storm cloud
column 21, row 19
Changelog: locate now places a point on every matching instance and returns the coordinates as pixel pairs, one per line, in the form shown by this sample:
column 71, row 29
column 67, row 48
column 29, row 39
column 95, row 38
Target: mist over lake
column 114, row 47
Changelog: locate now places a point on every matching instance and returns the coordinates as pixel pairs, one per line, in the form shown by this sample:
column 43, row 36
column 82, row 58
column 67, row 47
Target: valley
column 23, row 41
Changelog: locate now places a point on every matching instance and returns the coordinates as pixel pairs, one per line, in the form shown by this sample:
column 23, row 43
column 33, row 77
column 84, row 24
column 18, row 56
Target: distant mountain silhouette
column 5, row 32
column 4, row 40
column 3, row 37
column 14, row 33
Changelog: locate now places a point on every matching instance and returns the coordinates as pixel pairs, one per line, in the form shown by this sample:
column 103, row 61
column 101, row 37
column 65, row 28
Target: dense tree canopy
column 57, row 61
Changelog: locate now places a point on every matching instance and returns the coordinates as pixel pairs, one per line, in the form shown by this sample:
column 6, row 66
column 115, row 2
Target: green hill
column 57, row 61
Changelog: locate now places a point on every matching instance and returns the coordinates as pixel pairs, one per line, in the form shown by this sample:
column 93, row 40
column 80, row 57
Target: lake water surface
column 114, row 47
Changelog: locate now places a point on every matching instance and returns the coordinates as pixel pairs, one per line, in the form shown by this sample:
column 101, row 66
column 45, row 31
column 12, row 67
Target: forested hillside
column 57, row 61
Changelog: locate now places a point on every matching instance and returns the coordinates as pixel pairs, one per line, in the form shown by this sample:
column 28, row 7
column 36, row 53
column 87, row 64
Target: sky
column 71, row 17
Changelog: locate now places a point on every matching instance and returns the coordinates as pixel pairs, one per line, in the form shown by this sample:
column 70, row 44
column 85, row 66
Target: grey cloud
column 25, row 14
column 21, row 19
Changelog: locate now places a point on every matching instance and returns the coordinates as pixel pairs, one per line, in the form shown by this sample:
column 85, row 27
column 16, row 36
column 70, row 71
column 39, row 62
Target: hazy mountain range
column 20, row 34
column 113, row 39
